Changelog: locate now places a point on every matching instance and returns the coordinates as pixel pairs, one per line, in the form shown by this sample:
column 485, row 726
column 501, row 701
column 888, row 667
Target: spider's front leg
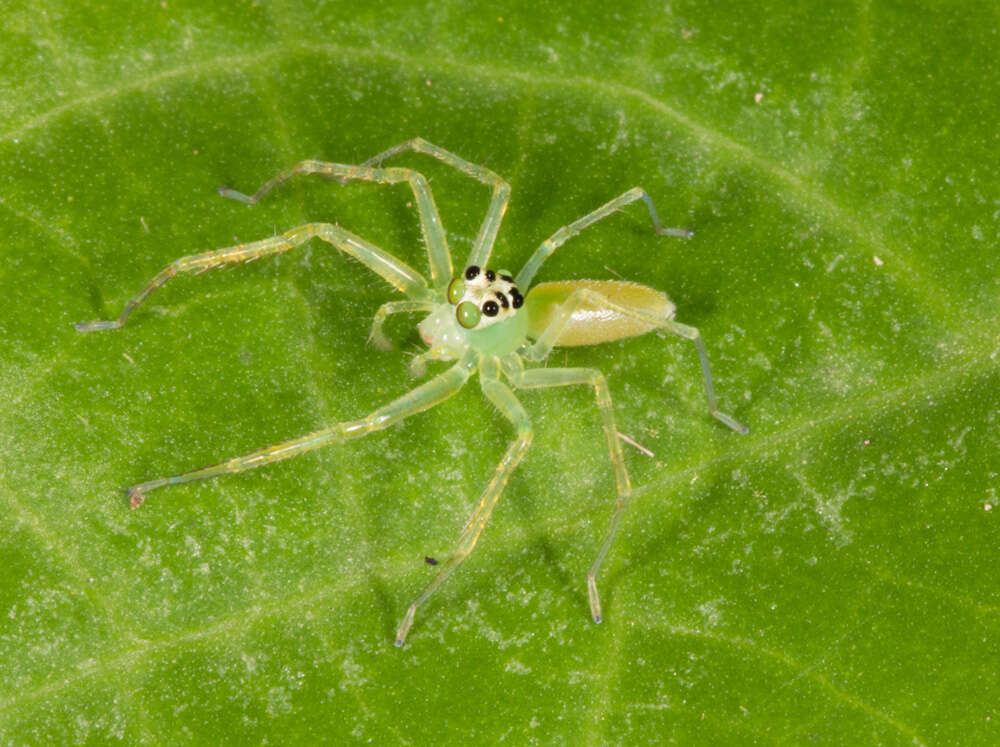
column 438, row 253
column 505, row 401
column 498, row 201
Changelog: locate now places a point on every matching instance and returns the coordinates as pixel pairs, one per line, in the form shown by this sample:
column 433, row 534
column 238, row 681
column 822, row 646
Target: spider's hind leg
column 583, row 297
column 692, row 333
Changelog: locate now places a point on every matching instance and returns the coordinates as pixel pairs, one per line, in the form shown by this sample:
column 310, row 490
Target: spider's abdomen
column 593, row 322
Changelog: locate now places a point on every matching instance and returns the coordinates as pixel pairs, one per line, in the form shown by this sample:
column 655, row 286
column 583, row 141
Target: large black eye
column 516, row 299
column 491, row 276
column 471, row 272
column 490, row 308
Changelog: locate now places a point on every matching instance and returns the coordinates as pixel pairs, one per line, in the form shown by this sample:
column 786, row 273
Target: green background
column 830, row 578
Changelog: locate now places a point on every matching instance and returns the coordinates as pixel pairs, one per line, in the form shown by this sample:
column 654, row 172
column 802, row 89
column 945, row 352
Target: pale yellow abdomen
column 593, row 323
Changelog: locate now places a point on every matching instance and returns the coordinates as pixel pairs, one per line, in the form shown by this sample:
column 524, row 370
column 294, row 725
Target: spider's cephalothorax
column 482, row 297
column 472, row 320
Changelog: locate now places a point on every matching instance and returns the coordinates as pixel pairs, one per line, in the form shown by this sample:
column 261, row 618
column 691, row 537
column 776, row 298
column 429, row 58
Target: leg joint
column 416, row 179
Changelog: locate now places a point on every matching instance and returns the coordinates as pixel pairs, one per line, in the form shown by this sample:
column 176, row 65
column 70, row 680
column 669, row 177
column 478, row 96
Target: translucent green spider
column 479, row 318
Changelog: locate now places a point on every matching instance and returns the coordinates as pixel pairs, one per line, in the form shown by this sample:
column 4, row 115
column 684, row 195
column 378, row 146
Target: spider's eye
column 491, row 308
column 516, row 299
column 471, row 272
column 491, row 276
column 468, row 314
column 456, row 289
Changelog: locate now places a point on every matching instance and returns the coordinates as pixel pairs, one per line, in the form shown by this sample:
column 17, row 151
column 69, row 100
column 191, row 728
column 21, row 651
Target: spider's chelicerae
column 486, row 320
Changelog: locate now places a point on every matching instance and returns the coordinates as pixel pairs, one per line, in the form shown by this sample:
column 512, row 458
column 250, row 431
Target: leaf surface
column 828, row 578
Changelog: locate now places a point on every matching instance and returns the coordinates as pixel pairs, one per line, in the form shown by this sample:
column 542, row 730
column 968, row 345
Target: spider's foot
column 680, row 233
column 98, row 324
column 232, row 194
column 135, row 496
column 731, row 422
column 595, row 599
column 404, row 627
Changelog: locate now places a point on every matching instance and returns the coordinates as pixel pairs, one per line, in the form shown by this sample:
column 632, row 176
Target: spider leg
column 503, row 398
column 395, row 272
column 376, row 337
column 498, row 202
column 586, row 297
column 416, row 400
column 430, row 221
column 692, row 333
column 537, row 378
column 560, row 237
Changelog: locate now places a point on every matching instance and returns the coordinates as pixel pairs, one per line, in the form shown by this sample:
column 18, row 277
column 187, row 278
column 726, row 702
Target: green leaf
column 829, row 578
